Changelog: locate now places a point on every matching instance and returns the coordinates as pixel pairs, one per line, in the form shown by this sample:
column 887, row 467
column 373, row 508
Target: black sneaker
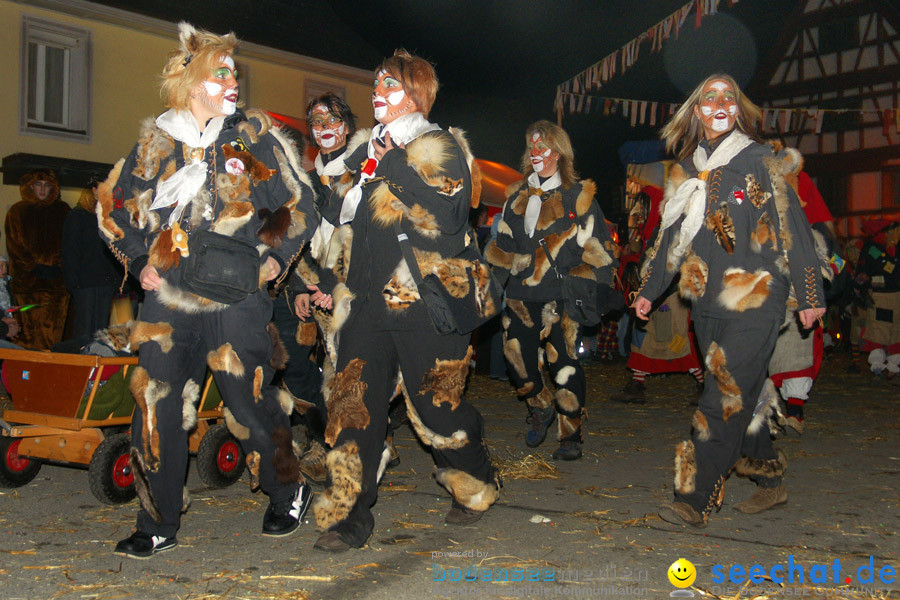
column 143, row 545
column 283, row 518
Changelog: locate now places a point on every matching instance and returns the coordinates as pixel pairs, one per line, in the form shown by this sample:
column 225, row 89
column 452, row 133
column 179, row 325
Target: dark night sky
column 499, row 61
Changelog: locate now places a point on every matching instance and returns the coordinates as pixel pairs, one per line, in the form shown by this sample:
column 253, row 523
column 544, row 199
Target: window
column 55, row 75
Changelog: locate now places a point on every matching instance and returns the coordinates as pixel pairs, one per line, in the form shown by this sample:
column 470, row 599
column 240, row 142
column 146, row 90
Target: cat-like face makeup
column 390, row 100
column 718, row 108
column 219, row 91
column 543, row 158
column 329, row 130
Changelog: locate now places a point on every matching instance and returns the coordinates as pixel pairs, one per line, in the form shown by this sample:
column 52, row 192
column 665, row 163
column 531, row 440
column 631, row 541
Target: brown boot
column 681, row 513
column 763, row 499
column 312, row 463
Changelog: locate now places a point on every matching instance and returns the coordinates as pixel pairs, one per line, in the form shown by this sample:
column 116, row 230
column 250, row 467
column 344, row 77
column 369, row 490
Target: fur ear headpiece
column 187, row 35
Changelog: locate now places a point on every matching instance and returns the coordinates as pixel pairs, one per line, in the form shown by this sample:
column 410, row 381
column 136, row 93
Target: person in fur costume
column 735, row 230
column 34, row 232
column 878, row 282
column 550, row 210
column 417, row 178
column 205, row 169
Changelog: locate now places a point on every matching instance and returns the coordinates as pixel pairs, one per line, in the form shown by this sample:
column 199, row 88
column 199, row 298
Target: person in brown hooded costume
column 34, row 241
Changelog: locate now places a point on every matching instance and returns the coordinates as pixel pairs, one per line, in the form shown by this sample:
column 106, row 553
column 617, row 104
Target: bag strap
column 543, row 244
column 408, row 255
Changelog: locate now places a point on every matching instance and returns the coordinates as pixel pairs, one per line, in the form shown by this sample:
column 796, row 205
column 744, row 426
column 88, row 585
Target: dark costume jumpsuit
column 753, row 248
column 252, row 194
column 383, row 328
column 536, row 326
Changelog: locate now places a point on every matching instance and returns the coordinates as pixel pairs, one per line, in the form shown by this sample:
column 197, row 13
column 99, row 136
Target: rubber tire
column 110, row 457
column 217, row 464
column 13, row 478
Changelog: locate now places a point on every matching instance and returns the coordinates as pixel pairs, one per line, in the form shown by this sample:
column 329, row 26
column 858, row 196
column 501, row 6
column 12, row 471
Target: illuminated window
column 54, row 100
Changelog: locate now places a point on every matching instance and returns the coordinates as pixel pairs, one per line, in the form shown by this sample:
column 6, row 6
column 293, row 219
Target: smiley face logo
column 682, row 573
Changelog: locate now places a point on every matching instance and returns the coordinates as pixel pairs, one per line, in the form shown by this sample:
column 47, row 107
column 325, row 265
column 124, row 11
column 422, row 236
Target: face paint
column 718, row 108
column 543, row 158
column 219, row 91
column 389, row 99
column 328, row 130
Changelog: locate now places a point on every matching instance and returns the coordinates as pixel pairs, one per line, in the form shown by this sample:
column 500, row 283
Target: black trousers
column 238, row 349
column 367, row 368
column 737, row 355
column 91, row 308
column 537, row 333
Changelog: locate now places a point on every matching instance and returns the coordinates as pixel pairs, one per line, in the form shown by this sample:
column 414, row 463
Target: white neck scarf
column 690, row 197
column 533, row 210
column 403, row 130
column 335, row 166
column 182, row 187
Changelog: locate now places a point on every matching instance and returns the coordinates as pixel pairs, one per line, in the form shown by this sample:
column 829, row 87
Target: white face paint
column 212, row 88
column 542, row 160
column 717, row 109
column 396, row 98
column 328, row 136
column 389, row 99
column 219, row 91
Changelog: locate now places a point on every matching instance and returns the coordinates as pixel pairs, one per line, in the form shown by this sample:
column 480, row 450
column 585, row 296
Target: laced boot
column 763, row 499
column 540, row 420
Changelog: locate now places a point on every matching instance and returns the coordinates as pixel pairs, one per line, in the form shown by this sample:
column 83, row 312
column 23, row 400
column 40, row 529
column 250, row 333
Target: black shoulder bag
column 450, row 314
column 219, row 267
column 585, row 300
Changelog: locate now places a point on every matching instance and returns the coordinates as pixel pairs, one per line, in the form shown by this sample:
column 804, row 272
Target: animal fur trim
column 543, row 399
column 562, row 377
column 767, row 408
column 685, row 468
column 189, row 396
column 176, row 299
column 105, row 205
column 701, row 426
column 253, row 461
column 568, row 428
column 457, row 440
column 758, row 467
column 694, row 275
column 742, row 290
column 555, row 242
column 226, row 360
column 552, row 354
column 566, row 400
column 512, row 350
column 517, row 307
column 345, row 474
column 117, row 337
column 446, row 381
column 728, row 387
column 780, row 195
column 147, row 393
column 764, row 233
column 497, row 257
column 142, row 331
column 307, row 332
column 257, row 383
column 280, row 356
column 520, row 262
column 142, row 486
column 585, row 197
column 595, row 254
column 345, row 402
column 287, row 466
column 475, row 171
column 153, row 146
column 241, row 432
column 570, row 335
column 549, row 317
column 472, row 493
column 551, row 211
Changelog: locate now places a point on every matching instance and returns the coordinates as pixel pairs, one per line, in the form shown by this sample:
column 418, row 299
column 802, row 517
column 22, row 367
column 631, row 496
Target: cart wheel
column 15, row 470
column 220, row 458
column 112, row 481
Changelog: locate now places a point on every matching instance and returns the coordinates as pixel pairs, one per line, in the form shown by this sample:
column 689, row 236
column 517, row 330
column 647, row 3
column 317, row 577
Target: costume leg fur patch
column 346, row 408
column 225, row 359
column 345, row 474
column 472, row 493
column 518, row 308
column 567, row 401
column 758, row 467
column 189, row 396
column 447, row 380
column 728, row 387
column 280, row 356
column 568, row 427
column 287, row 467
column 147, row 392
column 543, row 399
column 701, row 427
column 253, row 461
column 694, row 274
column 241, row 432
column 160, row 332
column 742, row 290
column 431, row 438
column 512, row 350
column 685, row 468
column 142, row 486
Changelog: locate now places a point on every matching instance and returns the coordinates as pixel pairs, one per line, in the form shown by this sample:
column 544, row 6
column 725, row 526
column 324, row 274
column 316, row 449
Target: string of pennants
column 622, row 59
column 648, row 112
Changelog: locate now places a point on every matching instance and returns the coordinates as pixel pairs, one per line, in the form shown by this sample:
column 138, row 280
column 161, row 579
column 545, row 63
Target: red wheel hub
column 14, row 461
column 122, row 474
column 227, row 458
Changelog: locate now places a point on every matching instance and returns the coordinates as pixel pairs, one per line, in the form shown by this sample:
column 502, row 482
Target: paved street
column 584, row 529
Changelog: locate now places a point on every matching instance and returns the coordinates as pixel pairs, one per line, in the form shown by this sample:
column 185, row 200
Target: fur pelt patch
column 780, row 195
column 768, row 408
column 343, row 298
column 475, row 171
column 147, row 392
column 232, row 189
column 253, row 167
column 226, row 360
column 472, row 493
column 142, row 331
column 142, row 486
column 555, row 242
column 758, row 467
column 305, row 271
column 562, row 377
column 287, row 466
column 177, row 299
column 517, row 307
column 117, row 337
column 189, row 396
column 504, row 229
column 457, row 440
column 525, row 388
column 253, row 461
column 345, row 475
column 428, row 155
column 424, row 222
column 520, row 262
column 570, row 335
column 585, row 197
column 701, row 426
column 512, row 350
column 543, row 399
column 307, row 332
column 386, row 207
column 755, row 192
column 497, row 257
column 722, row 226
column 552, row 354
column 595, row 254
column 138, row 208
column 257, row 383
column 549, row 317
column 234, row 215
column 401, row 291
column 742, row 290
column 551, row 211
column 346, row 408
column 685, row 468
column 162, row 254
column 585, row 271
column 728, row 387
column 105, row 204
column 694, row 274
column 569, row 427
column 447, row 380
column 566, row 399
column 241, row 432
column 153, row 146
column 280, row 356
column 275, row 226
column 517, row 197
column 764, row 233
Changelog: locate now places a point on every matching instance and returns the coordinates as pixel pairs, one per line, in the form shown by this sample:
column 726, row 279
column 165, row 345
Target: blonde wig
column 684, row 131
column 558, row 140
column 198, row 53
column 417, row 76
